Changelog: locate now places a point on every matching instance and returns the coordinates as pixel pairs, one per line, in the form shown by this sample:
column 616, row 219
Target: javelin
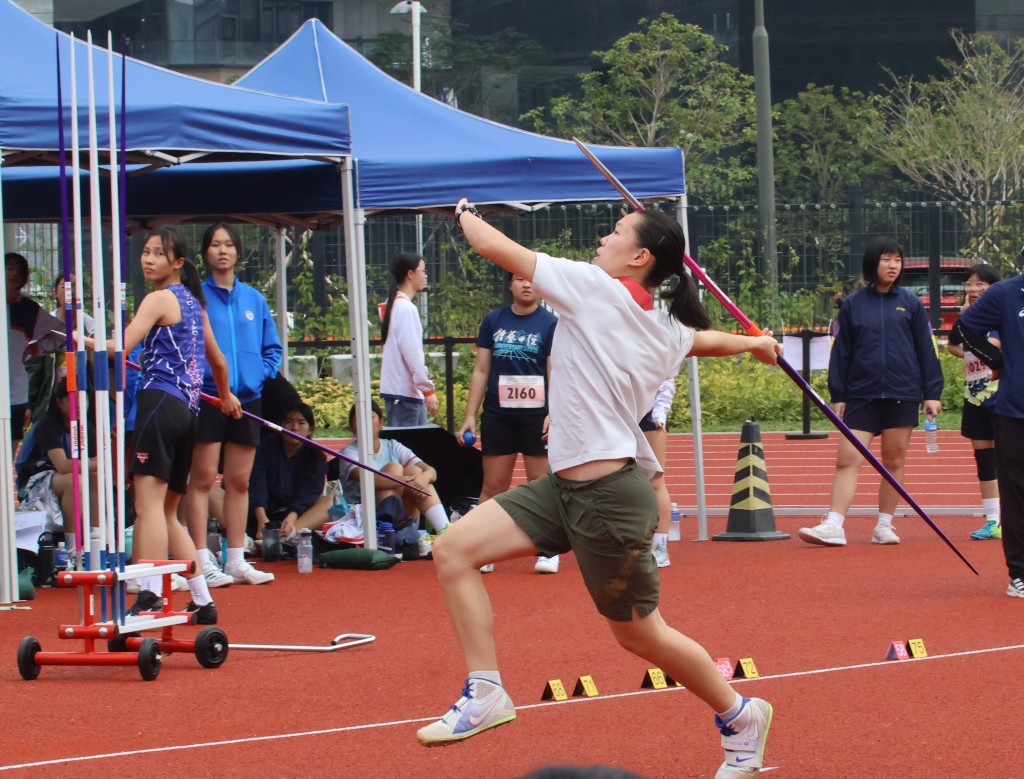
column 752, row 329
column 303, row 439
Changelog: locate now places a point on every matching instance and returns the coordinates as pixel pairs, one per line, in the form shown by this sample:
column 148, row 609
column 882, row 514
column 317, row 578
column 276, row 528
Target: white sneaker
column 178, row 583
column 488, row 568
column 244, row 573
column 743, row 739
column 884, row 534
column 546, row 564
column 215, row 577
column 483, row 705
column 660, row 552
column 825, row 534
column 1016, row 588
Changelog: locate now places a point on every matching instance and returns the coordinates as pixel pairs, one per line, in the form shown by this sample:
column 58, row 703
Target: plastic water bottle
column 931, row 435
column 60, row 557
column 304, row 550
column 673, row 528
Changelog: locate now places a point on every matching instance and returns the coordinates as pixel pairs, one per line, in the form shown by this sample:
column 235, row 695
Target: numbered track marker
column 897, row 651
column 746, row 669
column 724, row 666
column 654, row 679
column 915, row 646
column 585, row 686
column 554, row 691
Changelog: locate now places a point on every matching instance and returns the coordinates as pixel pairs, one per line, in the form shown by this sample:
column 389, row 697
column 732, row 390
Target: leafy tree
column 665, row 85
column 961, row 137
column 826, row 145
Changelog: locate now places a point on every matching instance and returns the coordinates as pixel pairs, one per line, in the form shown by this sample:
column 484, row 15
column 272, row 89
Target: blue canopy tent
column 171, row 119
column 413, row 151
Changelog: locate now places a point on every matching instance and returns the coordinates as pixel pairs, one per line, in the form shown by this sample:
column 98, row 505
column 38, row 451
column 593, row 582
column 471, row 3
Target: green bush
column 732, row 389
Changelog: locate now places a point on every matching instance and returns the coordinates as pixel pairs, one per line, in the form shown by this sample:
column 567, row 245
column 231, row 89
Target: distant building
column 220, row 39
column 836, row 42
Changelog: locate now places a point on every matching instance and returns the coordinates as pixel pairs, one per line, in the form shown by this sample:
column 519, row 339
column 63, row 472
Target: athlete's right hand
column 231, row 406
column 766, row 349
column 432, row 404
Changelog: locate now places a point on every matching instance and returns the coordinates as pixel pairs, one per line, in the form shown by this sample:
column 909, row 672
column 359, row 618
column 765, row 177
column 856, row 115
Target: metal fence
column 819, row 249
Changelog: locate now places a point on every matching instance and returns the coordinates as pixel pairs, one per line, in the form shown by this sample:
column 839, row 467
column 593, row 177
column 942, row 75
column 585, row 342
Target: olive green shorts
column 608, row 523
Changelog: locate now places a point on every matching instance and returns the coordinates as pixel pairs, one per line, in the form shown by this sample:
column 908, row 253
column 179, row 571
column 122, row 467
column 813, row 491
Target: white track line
column 393, row 723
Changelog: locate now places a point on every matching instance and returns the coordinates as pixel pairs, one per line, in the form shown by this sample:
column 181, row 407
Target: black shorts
column 874, row 416
column 978, row 422
column 502, row 434
column 647, row 423
column 216, row 427
column 163, row 440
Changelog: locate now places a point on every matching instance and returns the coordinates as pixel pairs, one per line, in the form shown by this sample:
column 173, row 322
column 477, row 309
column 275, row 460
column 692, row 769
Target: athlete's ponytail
column 663, row 237
column 404, row 262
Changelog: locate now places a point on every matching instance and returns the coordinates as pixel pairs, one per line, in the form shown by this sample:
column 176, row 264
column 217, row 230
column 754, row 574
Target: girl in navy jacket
column 883, row 364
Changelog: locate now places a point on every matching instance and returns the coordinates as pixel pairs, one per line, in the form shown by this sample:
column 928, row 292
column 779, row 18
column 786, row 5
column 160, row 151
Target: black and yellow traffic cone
column 751, row 517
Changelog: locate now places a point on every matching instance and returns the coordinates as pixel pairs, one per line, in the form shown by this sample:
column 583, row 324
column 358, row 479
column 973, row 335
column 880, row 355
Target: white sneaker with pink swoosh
column 483, row 705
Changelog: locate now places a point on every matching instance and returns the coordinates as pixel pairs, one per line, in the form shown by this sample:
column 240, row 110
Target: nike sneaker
column 743, row 738
column 483, row 705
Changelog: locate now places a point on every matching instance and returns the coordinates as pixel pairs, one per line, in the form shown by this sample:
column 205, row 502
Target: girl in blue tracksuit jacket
column 883, row 364
column 247, row 334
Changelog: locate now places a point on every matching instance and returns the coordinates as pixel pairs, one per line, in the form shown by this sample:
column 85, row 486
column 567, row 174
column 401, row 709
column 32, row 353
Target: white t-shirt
column 608, row 359
column 403, row 370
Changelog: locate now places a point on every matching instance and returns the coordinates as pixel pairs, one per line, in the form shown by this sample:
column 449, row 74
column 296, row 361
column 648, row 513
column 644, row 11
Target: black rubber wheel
column 211, row 647
column 27, row 650
column 149, row 659
column 120, row 643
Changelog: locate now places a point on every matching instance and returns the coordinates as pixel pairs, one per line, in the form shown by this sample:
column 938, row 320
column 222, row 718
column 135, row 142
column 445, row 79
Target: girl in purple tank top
column 176, row 338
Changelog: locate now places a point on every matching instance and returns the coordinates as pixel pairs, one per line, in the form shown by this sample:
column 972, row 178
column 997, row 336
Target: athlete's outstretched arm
column 494, row 245
column 713, row 343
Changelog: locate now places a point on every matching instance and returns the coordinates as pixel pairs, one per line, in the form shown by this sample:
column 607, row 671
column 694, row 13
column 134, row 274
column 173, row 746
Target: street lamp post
column 765, row 158
column 415, row 8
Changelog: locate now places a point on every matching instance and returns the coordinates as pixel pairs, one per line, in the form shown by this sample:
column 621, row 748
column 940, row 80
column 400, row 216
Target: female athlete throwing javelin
column 597, row 501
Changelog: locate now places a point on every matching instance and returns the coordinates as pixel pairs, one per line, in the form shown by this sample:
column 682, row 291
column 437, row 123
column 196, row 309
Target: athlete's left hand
column 766, row 349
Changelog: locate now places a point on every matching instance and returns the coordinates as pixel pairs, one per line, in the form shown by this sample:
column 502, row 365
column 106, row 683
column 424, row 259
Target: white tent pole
column 694, row 384
column 8, row 546
column 355, row 259
column 282, row 301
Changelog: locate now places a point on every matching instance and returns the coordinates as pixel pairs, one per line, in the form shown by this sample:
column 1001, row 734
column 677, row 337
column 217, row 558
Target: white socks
column 731, row 713
column 991, row 508
column 437, row 517
column 835, row 518
column 884, row 520
column 235, row 558
column 200, row 591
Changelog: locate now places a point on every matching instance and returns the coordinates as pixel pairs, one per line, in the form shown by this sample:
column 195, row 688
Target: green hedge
column 732, row 389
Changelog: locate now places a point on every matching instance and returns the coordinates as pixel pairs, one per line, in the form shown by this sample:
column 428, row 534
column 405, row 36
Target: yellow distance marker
column 915, row 646
column 554, row 691
column 654, row 679
column 585, row 686
column 746, row 669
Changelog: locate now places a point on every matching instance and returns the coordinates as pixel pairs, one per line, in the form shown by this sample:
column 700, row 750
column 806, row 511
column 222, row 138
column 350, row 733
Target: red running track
column 816, row 621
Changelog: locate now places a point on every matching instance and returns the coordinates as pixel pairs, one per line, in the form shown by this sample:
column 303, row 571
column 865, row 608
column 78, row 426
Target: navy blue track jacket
column 884, row 349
